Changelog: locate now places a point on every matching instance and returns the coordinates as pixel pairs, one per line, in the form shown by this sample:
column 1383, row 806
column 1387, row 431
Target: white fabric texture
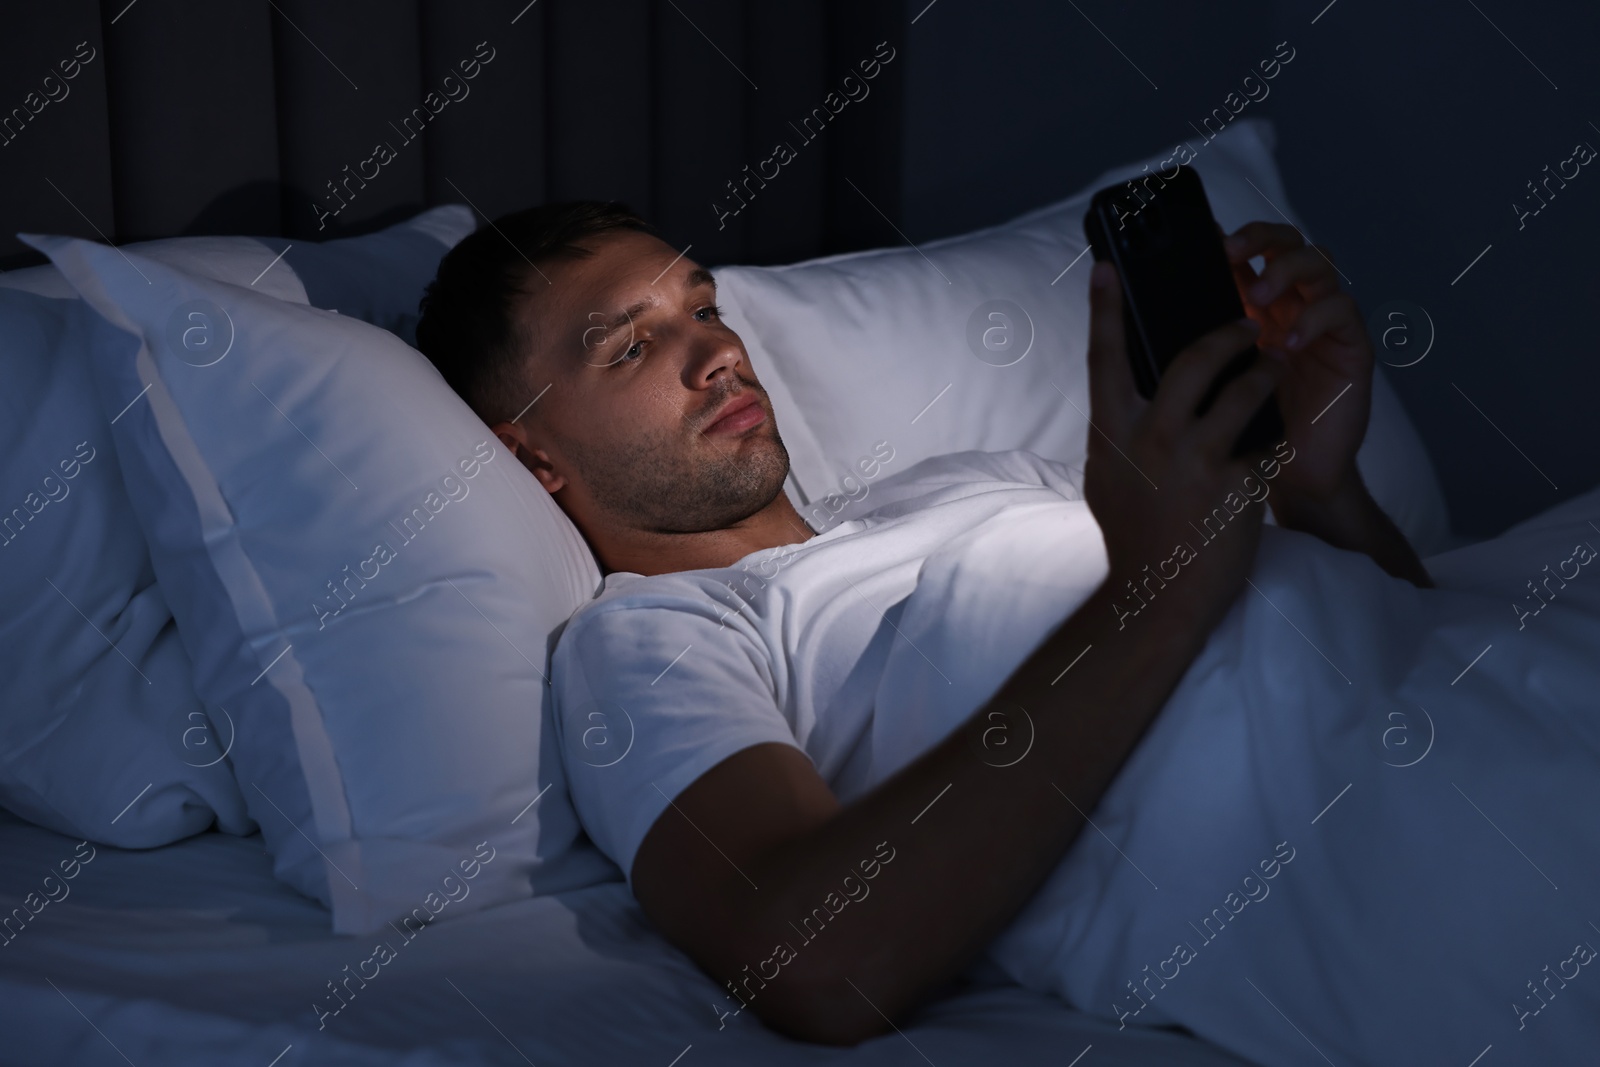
column 979, row 341
column 1355, row 778
column 194, row 956
column 227, row 259
column 348, row 553
column 102, row 734
column 1357, row 782
column 662, row 677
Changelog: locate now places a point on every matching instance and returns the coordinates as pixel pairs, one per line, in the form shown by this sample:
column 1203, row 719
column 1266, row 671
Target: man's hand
column 1326, row 391
column 1155, row 468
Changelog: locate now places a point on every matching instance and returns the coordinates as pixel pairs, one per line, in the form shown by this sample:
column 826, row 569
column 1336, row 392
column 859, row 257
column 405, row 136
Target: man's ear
column 515, row 437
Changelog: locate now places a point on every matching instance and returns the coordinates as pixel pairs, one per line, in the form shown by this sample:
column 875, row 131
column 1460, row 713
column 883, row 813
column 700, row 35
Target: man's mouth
column 739, row 414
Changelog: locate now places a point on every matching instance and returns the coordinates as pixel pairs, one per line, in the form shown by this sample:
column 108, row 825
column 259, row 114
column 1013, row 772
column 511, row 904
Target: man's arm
column 757, row 845
column 952, row 846
column 1349, row 518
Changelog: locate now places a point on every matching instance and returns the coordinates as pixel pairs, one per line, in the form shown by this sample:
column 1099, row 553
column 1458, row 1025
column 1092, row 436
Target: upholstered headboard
column 133, row 119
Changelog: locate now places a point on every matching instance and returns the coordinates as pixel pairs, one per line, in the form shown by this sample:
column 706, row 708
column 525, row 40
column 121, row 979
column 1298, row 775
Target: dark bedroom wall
column 255, row 117
column 1407, row 130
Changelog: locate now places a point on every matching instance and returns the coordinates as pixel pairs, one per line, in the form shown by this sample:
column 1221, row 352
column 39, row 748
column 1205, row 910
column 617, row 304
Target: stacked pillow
column 103, row 736
column 365, row 580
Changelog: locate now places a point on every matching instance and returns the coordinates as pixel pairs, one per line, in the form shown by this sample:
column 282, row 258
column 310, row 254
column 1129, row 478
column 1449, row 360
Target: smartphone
column 1177, row 285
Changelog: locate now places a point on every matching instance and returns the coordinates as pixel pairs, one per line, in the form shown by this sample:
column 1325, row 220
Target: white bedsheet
column 193, row 954
column 1418, row 771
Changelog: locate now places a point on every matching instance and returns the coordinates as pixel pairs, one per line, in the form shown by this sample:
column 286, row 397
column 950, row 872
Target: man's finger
column 1267, row 239
column 1244, row 276
column 1304, row 269
column 1113, row 397
column 1336, row 316
column 1193, row 370
column 1236, row 405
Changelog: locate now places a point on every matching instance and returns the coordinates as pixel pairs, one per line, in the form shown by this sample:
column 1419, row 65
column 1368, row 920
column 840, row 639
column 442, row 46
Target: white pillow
column 377, row 277
column 102, row 736
column 890, row 345
column 364, row 578
column 230, row 259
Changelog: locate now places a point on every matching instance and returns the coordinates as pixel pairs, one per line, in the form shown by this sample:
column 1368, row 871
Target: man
column 727, row 732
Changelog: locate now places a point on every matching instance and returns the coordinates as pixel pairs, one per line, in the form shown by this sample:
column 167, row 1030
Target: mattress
column 194, row 954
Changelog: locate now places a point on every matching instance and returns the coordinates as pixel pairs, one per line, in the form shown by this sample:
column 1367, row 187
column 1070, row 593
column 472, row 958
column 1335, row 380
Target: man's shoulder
column 675, row 591
column 632, row 607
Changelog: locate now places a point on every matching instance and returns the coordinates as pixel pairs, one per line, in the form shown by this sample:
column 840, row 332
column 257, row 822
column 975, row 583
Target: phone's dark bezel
column 1266, row 427
column 1146, row 375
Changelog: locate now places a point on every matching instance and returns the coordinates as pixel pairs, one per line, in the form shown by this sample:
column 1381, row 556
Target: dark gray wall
column 240, row 116
column 1407, row 130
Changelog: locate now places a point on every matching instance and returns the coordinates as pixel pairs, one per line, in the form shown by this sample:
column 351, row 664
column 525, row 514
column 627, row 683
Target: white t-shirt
column 661, row 677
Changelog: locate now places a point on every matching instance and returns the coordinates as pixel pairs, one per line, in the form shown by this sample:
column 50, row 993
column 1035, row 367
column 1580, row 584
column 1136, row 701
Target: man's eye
column 711, row 312
column 633, row 353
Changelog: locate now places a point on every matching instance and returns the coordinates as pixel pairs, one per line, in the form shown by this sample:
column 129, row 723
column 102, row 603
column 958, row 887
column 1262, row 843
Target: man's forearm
column 975, row 825
column 1351, row 519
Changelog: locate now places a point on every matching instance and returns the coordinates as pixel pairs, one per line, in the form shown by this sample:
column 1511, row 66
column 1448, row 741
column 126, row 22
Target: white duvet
column 1364, row 830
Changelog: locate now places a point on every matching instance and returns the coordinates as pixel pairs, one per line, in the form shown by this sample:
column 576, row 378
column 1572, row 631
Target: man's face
column 640, row 367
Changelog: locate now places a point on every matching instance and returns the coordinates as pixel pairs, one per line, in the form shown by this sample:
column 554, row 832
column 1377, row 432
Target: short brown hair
column 468, row 328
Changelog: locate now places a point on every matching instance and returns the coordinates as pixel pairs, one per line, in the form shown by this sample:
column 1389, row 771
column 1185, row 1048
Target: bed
column 195, row 925
column 193, row 953
column 198, row 948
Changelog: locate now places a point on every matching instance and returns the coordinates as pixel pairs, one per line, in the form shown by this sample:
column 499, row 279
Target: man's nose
column 717, row 357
